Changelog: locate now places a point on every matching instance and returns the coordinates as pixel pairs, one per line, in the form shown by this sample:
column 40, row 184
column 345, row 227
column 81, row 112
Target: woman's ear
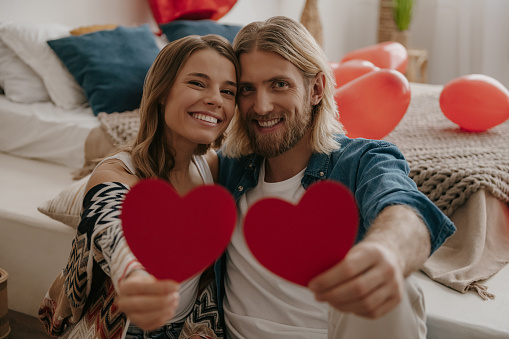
column 317, row 86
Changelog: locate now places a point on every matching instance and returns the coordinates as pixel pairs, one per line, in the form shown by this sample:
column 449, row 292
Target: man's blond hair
column 291, row 40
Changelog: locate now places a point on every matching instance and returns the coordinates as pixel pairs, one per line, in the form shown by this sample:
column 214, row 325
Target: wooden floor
column 25, row 327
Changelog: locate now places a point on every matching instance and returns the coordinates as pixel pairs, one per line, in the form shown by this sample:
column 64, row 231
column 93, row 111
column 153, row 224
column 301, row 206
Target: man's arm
column 369, row 281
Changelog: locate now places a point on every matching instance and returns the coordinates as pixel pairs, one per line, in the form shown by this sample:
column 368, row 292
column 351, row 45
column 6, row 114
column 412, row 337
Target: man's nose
column 263, row 103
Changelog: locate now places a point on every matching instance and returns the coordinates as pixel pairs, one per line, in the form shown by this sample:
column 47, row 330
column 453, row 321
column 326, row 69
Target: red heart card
column 298, row 242
column 177, row 237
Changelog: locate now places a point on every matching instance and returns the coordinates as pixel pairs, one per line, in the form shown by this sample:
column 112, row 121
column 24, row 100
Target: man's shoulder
column 359, row 144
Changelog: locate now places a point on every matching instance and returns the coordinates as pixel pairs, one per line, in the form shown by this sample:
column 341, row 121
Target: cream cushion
column 66, row 206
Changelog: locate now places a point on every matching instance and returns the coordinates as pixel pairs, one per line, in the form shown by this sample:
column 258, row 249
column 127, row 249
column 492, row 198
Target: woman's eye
column 228, row 92
column 196, row 83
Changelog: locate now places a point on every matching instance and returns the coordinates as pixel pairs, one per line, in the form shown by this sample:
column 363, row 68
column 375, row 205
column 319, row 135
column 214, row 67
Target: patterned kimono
column 81, row 302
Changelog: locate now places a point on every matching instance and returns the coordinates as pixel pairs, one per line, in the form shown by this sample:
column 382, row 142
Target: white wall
column 459, row 41
column 347, row 24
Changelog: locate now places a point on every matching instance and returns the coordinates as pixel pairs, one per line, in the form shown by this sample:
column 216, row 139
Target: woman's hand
column 149, row 303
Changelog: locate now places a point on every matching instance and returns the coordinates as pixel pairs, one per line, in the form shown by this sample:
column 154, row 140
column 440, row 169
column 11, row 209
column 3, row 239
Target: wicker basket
column 5, row 329
column 310, row 18
column 386, row 24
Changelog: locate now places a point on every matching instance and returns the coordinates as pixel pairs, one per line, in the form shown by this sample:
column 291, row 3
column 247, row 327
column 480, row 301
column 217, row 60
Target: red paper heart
column 298, row 242
column 372, row 105
column 177, row 237
column 387, row 54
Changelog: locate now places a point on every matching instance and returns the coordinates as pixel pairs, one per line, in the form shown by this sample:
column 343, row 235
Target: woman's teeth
column 204, row 117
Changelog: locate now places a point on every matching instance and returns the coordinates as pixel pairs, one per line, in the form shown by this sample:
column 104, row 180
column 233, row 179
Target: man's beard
column 271, row 145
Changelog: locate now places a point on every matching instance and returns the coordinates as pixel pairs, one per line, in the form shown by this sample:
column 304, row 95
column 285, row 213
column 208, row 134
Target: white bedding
column 33, row 247
column 45, row 131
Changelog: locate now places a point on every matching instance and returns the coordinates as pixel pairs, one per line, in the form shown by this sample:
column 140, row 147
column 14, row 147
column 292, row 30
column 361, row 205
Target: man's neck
column 288, row 164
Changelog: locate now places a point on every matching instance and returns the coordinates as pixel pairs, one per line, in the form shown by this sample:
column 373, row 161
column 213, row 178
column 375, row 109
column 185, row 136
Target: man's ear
column 317, row 87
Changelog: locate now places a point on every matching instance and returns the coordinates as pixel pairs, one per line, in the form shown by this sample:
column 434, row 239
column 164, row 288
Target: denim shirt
column 375, row 171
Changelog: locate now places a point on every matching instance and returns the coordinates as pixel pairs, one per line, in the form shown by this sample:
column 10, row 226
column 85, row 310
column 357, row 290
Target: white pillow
column 28, row 41
column 19, row 82
column 66, row 206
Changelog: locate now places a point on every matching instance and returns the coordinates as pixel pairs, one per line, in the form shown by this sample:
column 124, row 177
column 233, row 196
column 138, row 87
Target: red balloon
column 347, row 71
column 373, row 104
column 387, row 54
column 475, row 102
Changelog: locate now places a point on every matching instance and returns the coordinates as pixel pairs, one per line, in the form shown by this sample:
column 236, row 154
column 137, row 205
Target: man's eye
column 246, row 89
column 280, row 84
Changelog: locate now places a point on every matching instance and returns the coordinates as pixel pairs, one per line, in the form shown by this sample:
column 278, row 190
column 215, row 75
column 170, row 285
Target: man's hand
column 149, row 303
column 368, row 282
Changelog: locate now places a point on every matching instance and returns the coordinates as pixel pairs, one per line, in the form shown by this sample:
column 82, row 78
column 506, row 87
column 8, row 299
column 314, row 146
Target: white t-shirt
column 258, row 303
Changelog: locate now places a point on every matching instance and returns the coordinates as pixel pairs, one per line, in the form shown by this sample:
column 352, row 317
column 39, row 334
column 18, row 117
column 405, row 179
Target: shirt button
column 322, row 174
column 240, row 188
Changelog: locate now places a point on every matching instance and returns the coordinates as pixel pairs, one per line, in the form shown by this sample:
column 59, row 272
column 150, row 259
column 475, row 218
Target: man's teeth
column 204, row 117
column 268, row 123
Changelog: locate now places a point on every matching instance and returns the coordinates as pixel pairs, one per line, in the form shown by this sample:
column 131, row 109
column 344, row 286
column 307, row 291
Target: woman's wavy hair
column 152, row 154
column 291, row 40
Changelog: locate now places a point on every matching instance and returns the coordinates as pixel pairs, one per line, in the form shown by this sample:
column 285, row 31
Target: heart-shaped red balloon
column 387, row 54
column 177, row 237
column 298, row 242
column 475, row 102
column 352, row 69
column 373, row 104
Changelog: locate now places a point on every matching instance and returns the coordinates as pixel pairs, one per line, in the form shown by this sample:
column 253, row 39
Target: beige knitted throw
column 453, row 168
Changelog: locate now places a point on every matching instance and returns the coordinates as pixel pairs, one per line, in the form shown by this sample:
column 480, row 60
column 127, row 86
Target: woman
column 188, row 101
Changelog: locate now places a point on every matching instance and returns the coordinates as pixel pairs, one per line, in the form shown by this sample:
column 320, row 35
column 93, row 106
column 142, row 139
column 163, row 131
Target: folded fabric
column 465, row 175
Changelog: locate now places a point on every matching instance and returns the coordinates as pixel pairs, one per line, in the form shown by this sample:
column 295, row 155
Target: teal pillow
column 109, row 65
column 180, row 28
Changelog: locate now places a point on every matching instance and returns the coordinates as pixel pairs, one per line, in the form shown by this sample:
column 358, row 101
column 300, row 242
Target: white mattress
column 44, row 131
column 33, row 247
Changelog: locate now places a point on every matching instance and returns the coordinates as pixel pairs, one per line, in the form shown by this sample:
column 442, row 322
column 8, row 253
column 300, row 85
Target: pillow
column 180, row 28
column 20, row 83
column 28, row 41
column 109, row 65
column 116, row 129
column 90, row 29
column 66, row 206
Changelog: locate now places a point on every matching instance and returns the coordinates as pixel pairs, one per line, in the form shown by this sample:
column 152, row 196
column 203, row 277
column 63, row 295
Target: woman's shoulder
column 213, row 163
column 112, row 169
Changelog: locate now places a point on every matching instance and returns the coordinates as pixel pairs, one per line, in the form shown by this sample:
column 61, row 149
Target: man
column 285, row 137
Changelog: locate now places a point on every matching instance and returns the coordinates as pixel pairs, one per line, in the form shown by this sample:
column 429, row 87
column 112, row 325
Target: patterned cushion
column 66, row 207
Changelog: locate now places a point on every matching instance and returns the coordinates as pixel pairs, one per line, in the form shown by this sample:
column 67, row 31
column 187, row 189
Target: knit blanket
column 450, row 166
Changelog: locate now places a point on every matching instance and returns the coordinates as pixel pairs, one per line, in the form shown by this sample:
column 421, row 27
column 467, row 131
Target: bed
column 48, row 139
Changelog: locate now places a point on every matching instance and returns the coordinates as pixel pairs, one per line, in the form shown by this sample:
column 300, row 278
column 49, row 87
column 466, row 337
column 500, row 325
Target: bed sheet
column 45, row 131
